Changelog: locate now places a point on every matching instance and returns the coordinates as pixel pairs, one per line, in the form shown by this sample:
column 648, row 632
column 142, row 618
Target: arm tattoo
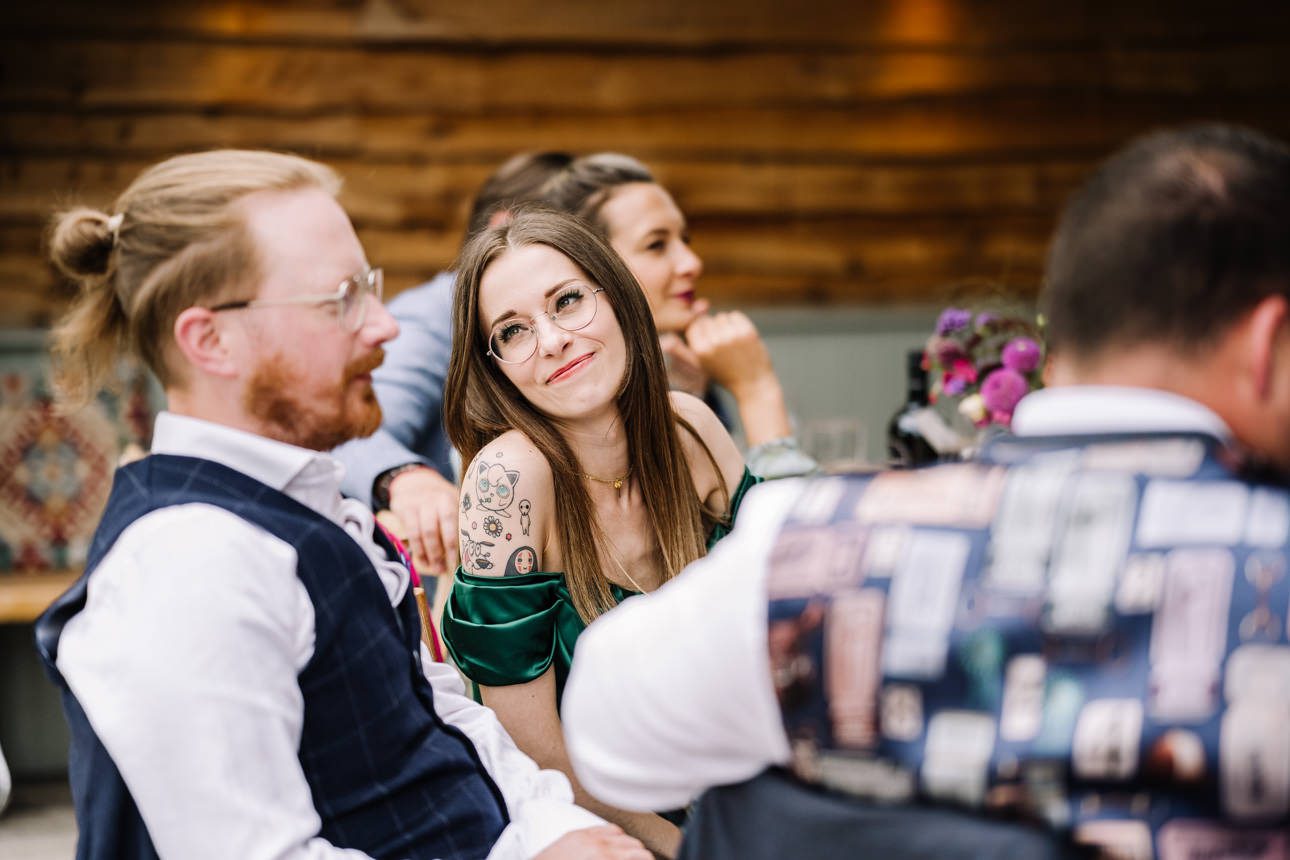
column 476, row 555
column 523, row 560
column 495, row 487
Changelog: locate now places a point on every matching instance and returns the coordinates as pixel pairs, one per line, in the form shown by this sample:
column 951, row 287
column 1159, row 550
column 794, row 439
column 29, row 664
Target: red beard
column 271, row 397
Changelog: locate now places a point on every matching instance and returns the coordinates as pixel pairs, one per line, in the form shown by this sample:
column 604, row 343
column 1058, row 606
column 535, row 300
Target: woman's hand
column 596, row 843
column 425, row 504
column 731, row 351
column 684, row 370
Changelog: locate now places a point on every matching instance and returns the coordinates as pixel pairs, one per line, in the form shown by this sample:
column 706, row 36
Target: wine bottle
column 906, row 445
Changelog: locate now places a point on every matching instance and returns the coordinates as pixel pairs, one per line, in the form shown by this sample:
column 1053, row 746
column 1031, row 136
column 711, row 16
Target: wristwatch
column 381, row 486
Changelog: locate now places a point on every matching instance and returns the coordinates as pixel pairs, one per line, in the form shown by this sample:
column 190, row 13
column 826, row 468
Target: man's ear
column 1267, row 338
column 203, row 342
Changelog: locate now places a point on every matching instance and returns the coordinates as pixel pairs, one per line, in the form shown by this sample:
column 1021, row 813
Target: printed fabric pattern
column 1089, row 632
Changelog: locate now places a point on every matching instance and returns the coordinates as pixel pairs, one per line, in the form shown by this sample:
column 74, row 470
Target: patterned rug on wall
column 56, row 469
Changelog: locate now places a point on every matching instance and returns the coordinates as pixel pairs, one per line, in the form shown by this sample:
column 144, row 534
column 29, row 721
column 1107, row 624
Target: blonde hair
column 175, row 240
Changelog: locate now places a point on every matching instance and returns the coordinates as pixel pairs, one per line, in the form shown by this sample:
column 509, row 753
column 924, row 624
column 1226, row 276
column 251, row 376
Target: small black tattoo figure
column 465, row 503
column 525, row 519
column 523, row 560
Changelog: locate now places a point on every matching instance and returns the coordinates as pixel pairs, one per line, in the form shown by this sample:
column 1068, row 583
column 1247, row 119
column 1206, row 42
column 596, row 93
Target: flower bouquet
column 983, row 363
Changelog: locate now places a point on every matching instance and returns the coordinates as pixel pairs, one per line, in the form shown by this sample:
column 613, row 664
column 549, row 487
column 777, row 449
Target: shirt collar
column 310, row 477
column 1086, row 409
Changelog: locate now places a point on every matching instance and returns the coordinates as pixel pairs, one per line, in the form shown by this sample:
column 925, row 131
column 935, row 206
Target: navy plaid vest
column 387, row 776
column 1088, row 633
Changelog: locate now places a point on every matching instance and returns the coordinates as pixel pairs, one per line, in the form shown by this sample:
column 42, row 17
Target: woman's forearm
column 657, row 833
column 762, row 410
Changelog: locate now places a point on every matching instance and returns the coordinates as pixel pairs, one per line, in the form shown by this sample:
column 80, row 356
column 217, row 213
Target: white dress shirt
column 186, row 656
column 670, row 693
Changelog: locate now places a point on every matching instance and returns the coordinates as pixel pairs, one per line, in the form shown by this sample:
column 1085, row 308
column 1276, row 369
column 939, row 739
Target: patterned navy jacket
column 1091, row 633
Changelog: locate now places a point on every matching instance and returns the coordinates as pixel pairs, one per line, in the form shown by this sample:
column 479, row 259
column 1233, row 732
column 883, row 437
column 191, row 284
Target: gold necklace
column 616, row 483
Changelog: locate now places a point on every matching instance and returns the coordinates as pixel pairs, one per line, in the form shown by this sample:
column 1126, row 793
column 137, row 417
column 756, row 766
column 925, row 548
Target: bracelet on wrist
column 381, row 486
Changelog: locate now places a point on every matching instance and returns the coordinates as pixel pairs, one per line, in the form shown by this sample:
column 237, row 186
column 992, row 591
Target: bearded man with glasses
column 241, row 663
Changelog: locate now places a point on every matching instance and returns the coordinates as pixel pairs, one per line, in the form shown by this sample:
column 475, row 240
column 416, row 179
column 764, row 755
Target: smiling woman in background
column 588, row 481
column 619, row 197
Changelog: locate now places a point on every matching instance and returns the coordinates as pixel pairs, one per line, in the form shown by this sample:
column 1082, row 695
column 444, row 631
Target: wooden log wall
column 826, row 152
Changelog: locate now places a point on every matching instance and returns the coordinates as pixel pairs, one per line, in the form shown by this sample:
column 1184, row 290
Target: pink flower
column 958, row 376
column 1002, row 390
column 1021, row 354
column 962, row 368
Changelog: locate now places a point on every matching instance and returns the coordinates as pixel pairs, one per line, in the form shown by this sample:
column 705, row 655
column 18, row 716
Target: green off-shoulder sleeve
column 504, row 630
column 508, row 630
column 746, row 483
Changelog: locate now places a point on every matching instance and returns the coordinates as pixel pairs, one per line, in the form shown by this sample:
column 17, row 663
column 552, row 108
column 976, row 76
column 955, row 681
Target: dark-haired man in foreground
column 1080, row 638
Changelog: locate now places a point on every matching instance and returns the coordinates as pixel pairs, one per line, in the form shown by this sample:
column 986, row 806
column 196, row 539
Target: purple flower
column 1002, row 389
column 953, row 319
column 986, row 318
column 1021, row 354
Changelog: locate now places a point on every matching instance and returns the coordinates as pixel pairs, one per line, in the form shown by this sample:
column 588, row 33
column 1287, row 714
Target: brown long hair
column 176, row 240
column 480, row 404
column 585, row 185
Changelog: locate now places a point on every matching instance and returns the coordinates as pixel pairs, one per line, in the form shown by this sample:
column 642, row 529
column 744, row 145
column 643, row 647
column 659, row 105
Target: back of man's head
column 1171, row 240
column 175, row 239
column 519, row 180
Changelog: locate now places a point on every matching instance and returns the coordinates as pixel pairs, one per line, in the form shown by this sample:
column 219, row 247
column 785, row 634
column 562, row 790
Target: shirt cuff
column 539, row 823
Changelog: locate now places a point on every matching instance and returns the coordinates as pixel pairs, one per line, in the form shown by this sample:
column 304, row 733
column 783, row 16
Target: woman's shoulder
column 712, row 434
column 690, row 407
column 507, row 496
column 512, row 451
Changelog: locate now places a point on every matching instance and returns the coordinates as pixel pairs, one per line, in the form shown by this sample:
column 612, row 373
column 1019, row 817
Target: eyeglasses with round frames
column 350, row 299
column 515, row 340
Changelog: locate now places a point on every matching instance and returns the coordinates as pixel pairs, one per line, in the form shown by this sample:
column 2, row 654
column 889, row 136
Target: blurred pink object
column 1002, row 390
column 1021, row 354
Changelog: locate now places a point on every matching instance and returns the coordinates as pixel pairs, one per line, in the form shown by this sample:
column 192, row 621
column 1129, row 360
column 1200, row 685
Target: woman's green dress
column 508, row 630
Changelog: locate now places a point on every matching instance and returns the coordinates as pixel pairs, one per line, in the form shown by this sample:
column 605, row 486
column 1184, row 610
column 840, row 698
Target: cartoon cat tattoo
column 495, row 487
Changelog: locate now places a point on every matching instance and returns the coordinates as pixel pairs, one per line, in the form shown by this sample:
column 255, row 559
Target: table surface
column 23, row 596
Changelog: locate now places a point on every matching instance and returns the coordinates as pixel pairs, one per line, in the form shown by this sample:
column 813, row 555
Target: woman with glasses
column 620, row 198
column 587, row 481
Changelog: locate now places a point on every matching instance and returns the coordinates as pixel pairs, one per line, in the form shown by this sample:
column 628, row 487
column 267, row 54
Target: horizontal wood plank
column 1008, row 128
column 156, row 74
column 696, row 24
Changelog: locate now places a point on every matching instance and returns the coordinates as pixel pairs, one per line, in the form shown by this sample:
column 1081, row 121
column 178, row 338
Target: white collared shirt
column 670, row 693
column 186, row 656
